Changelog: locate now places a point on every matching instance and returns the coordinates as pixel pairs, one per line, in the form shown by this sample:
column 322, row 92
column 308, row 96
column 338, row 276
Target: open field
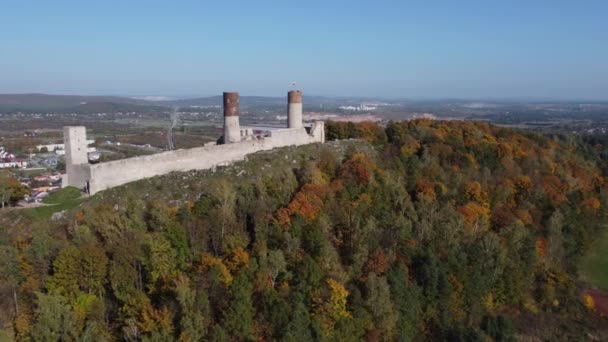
column 64, row 199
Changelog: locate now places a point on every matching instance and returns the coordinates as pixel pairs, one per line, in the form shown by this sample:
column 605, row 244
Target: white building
column 7, row 160
column 12, row 164
column 60, row 148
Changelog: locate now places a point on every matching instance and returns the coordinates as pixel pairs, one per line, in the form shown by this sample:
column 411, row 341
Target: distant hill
column 87, row 104
column 217, row 101
column 57, row 101
column 250, row 101
column 109, row 104
column 113, row 107
column 71, row 103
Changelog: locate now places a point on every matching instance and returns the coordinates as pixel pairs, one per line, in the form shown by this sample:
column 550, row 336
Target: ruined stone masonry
column 238, row 143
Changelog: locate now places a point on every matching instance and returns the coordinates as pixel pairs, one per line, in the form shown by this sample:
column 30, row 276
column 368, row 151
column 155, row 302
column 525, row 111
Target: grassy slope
column 62, row 196
column 188, row 185
column 63, row 199
column 594, row 267
column 180, row 186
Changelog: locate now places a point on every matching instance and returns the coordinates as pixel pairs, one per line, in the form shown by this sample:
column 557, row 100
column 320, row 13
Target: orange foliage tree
column 475, row 215
column 359, row 167
column 425, row 189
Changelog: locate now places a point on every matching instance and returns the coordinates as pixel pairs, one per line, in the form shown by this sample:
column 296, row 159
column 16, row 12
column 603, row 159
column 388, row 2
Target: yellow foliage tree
column 471, row 161
column 410, row 147
column 475, row 215
column 328, row 311
column 588, row 301
column 474, row 192
column 152, row 319
column 337, row 299
column 238, row 259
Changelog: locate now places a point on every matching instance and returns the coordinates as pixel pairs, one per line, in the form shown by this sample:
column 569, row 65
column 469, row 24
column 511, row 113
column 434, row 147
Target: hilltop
column 91, row 104
column 35, row 103
column 55, row 102
column 423, row 230
column 262, row 101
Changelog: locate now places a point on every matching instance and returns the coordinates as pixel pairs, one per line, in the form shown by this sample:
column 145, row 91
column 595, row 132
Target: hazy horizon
column 549, row 50
column 520, row 99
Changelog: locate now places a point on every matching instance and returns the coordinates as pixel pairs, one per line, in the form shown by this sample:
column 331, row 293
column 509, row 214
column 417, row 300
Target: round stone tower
column 232, row 129
column 294, row 109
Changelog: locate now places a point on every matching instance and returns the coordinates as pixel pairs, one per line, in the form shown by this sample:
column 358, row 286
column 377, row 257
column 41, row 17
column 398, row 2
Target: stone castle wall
column 114, row 173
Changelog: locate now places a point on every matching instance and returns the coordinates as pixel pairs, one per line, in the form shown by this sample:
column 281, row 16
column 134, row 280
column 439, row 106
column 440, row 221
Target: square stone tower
column 75, row 142
column 76, row 158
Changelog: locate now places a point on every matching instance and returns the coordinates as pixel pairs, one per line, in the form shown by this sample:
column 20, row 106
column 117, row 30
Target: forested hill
column 428, row 231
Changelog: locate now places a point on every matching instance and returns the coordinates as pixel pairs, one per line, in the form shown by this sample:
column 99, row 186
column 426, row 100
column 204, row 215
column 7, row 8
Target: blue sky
column 406, row 49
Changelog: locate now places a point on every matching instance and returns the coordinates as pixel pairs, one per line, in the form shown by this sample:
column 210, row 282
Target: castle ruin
column 238, row 142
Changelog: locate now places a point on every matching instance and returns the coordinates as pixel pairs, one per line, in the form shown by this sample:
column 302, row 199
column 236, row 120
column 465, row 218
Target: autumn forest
column 417, row 230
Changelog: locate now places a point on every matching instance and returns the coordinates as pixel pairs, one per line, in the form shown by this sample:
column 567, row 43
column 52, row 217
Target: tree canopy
column 437, row 231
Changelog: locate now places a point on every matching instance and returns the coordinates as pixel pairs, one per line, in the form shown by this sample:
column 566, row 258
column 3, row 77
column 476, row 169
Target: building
column 59, row 149
column 8, row 160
